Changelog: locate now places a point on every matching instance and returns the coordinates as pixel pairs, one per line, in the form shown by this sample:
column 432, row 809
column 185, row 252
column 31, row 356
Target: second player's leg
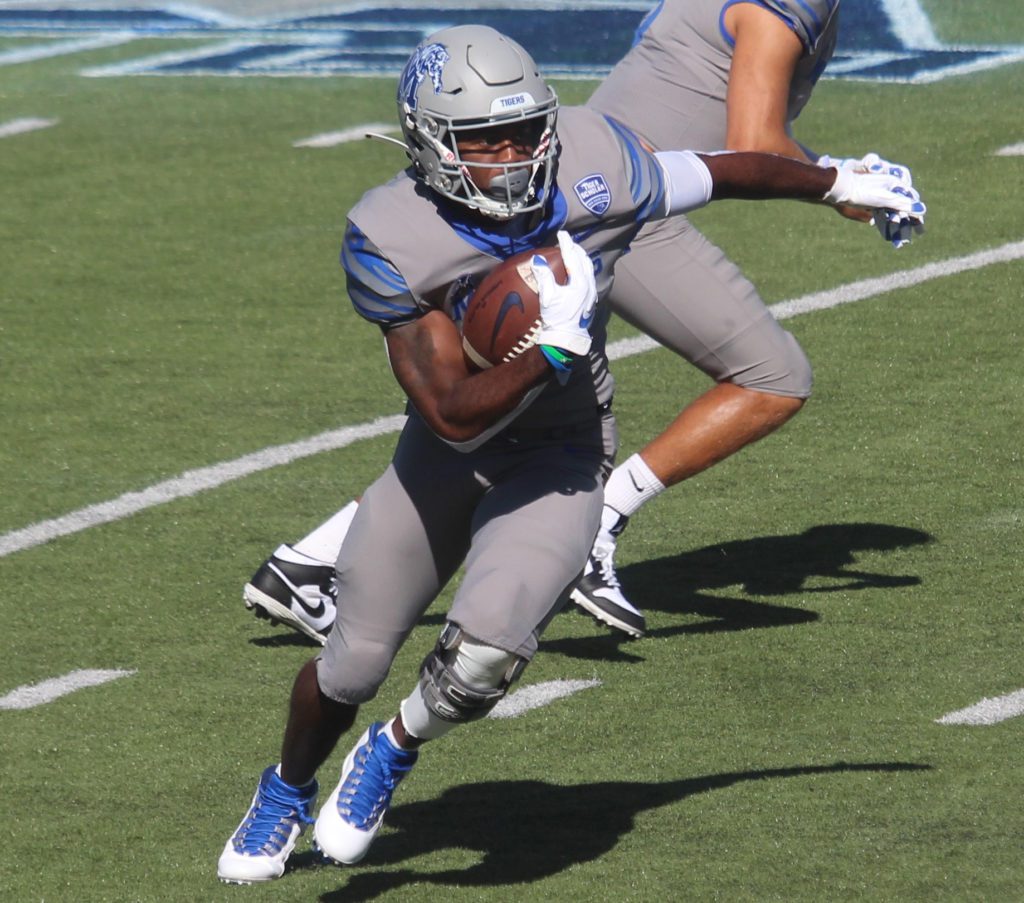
column 718, row 322
column 683, row 291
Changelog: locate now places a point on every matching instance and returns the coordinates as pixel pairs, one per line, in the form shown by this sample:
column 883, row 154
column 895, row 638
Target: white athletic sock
column 631, row 485
column 325, row 541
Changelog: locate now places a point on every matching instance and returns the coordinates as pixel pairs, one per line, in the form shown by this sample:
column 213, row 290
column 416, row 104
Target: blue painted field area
column 878, row 42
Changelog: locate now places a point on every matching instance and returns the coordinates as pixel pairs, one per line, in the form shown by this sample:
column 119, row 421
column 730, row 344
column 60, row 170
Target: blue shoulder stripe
column 801, row 16
column 806, row 7
column 646, row 181
column 377, row 290
column 646, row 22
column 376, row 309
column 362, row 259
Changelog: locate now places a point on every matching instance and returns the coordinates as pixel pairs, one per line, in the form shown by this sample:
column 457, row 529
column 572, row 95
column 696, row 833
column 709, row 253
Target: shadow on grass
column 524, row 831
column 763, row 566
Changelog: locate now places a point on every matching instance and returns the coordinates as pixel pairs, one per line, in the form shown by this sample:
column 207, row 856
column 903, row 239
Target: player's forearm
column 692, row 180
column 756, row 176
column 473, row 404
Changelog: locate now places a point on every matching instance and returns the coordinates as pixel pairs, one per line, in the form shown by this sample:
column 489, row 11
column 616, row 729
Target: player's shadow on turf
column 764, row 566
column 517, row 832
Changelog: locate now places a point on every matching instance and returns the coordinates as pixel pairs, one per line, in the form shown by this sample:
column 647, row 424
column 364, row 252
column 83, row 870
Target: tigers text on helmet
column 469, row 78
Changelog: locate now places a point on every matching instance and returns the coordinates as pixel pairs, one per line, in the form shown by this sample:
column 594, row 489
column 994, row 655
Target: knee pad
column 462, row 680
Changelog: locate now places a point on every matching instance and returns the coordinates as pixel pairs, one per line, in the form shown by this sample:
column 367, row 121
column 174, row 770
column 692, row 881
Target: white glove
column 898, row 211
column 566, row 311
column 894, row 225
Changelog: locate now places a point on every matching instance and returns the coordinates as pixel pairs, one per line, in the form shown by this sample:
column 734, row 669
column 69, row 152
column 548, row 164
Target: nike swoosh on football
column 511, row 300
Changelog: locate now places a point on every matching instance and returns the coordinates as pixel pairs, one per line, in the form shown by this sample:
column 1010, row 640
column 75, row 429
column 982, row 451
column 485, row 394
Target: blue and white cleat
column 353, row 813
column 260, row 846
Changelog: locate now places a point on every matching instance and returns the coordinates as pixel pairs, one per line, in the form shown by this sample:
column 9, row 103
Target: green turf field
column 170, row 299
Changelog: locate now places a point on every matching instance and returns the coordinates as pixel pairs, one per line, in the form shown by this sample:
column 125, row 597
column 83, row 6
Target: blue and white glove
column 897, row 228
column 566, row 311
column 896, row 225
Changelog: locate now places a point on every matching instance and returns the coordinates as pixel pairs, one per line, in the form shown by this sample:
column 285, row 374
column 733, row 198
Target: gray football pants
column 521, row 513
column 682, row 291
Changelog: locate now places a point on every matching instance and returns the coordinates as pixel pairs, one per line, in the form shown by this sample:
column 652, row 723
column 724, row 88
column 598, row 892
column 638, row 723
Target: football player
column 500, row 470
column 704, row 75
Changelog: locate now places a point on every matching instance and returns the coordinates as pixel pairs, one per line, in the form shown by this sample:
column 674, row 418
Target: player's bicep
column 765, row 57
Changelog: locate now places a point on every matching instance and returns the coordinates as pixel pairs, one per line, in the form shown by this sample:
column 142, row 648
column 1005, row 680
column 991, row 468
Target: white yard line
column 26, row 124
column 518, row 703
column 539, row 695
column 868, row 288
column 195, row 481
column 1011, row 150
column 31, row 695
column 356, row 133
column 988, row 711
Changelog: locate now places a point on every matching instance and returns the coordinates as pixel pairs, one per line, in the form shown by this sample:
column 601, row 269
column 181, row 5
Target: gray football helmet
column 469, row 78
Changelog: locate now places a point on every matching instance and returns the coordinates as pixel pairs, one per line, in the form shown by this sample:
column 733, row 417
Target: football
column 502, row 318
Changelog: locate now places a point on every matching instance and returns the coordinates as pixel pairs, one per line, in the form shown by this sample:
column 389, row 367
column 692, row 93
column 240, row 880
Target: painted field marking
column 868, row 288
column 1011, row 150
column 195, row 481
column 192, row 482
column 356, row 133
column 911, row 24
column 62, row 48
column 31, row 695
column 538, row 696
column 27, row 124
column 988, row 711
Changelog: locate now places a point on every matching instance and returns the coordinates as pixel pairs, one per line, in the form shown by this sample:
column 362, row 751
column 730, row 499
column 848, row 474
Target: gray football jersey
column 405, row 249
column 670, row 87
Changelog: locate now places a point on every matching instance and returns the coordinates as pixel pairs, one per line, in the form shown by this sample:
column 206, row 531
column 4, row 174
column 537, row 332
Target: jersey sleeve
column 646, row 177
column 377, row 289
column 807, row 18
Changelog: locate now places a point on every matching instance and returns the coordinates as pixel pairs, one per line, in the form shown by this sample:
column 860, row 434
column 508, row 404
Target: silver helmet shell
column 468, row 78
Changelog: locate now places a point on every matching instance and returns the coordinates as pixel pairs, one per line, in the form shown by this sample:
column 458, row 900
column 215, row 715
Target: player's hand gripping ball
column 503, row 316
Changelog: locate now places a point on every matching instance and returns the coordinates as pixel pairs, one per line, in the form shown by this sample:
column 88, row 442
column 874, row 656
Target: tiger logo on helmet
column 427, row 60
